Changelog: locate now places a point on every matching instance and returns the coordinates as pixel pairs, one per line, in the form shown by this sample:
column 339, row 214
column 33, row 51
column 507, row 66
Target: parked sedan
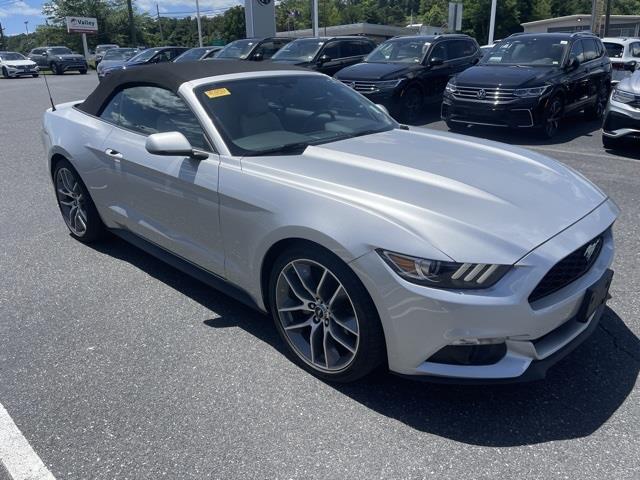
column 148, row 56
column 14, row 64
column 101, row 50
column 256, row 49
column 326, row 55
column 406, row 73
column 58, row 59
column 622, row 118
column 368, row 242
column 198, row 53
column 113, row 58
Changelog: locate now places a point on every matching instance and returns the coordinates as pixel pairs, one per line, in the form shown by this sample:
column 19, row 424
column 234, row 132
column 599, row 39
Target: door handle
column 113, row 153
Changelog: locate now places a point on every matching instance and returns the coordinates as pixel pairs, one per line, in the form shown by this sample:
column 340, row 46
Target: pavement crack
column 617, row 345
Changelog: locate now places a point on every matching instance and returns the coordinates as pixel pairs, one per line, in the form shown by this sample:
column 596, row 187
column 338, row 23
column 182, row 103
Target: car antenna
column 53, row 107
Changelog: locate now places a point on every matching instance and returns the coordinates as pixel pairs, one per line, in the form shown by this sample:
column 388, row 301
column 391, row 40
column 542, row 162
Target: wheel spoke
column 65, row 193
column 67, row 204
column 296, row 308
column 342, row 342
column 302, row 282
column 81, row 220
column 294, row 289
column 320, row 283
column 312, row 340
column 335, row 295
column 295, row 326
column 344, row 325
column 324, row 346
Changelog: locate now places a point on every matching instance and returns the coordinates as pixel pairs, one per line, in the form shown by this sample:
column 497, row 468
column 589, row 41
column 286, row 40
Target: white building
column 619, row 25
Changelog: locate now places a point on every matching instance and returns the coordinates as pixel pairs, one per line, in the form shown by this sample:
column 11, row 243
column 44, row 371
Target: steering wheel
column 315, row 115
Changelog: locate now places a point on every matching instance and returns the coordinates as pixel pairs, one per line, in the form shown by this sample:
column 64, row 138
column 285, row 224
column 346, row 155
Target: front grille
column 362, row 87
column 569, row 269
column 479, row 94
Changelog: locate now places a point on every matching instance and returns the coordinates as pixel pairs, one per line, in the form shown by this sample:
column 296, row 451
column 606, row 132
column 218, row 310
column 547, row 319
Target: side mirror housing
column 573, row 63
column 45, row 54
column 631, row 66
column 324, row 59
column 435, row 61
column 172, row 144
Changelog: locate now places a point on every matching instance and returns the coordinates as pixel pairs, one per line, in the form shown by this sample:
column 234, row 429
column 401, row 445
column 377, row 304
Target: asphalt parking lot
column 114, row 365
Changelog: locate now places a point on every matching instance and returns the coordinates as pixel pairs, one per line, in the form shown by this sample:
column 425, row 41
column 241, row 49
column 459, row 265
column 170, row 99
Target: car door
column 577, row 80
column 171, row 201
column 332, row 51
column 436, row 75
column 351, row 53
column 597, row 68
column 36, row 56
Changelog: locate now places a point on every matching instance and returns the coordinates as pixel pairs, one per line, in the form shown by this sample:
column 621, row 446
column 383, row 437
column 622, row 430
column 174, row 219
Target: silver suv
column 625, row 56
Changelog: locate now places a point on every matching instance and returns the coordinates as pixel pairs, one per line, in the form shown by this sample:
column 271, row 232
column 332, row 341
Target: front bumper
column 66, row 66
column 518, row 113
column 18, row 72
column 419, row 322
column 621, row 120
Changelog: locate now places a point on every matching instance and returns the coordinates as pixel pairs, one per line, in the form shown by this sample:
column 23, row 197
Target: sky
column 13, row 13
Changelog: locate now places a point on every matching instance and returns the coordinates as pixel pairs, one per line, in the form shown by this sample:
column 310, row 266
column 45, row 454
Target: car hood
column 376, row 71
column 17, row 63
column 474, row 200
column 108, row 64
column 631, row 84
column 506, row 76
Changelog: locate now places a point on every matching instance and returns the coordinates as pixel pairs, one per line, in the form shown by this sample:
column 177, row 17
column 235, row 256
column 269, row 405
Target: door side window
column 590, row 50
column 351, row 48
column 634, row 49
column 147, row 110
column 267, row 49
column 577, row 51
column 332, row 50
column 366, row 47
column 441, row 50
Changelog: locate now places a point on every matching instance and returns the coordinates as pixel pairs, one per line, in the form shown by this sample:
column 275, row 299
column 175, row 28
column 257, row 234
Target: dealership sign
column 82, row 25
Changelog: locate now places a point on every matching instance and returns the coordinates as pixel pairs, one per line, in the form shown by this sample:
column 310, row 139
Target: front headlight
column 623, row 96
column 439, row 274
column 530, row 92
column 388, row 84
column 451, row 86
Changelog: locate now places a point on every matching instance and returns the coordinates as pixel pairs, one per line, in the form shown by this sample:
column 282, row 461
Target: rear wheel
column 325, row 315
column 552, row 117
column 55, row 68
column 410, row 104
column 78, row 210
column 596, row 111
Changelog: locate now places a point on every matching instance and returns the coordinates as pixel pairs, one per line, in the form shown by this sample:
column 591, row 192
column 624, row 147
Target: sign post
column 455, row 17
column 260, row 16
column 82, row 25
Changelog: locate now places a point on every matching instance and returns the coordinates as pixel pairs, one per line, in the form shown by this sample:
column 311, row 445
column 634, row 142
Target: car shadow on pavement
column 578, row 396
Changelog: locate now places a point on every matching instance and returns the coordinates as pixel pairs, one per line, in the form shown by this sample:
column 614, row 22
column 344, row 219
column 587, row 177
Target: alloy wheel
column 317, row 315
column 554, row 114
column 72, row 201
column 412, row 103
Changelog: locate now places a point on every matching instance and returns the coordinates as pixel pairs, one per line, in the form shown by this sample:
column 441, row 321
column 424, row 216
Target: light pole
column 492, row 21
column 26, row 26
column 198, row 21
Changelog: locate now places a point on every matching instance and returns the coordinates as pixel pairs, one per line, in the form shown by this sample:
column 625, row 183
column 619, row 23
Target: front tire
column 410, row 104
column 76, row 206
column 83, row 72
column 55, row 68
column 325, row 315
column 596, row 111
column 5, row 73
column 552, row 116
column 35, row 75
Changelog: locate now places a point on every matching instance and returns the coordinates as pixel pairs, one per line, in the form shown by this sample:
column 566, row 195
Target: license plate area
column 595, row 296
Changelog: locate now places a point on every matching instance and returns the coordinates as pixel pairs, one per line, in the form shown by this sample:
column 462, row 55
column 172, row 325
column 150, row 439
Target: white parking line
column 16, row 454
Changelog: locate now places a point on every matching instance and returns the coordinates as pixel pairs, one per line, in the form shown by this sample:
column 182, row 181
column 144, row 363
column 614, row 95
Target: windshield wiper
column 292, row 148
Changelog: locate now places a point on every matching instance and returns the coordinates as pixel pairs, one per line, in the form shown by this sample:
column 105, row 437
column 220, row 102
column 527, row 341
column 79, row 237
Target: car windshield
column 528, row 51
column 144, row 55
column 237, row 49
column 193, row 54
column 104, row 48
column 614, row 50
column 119, row 54
column 299, row 50
column 285, row 114
column 399, row 50
column 60, row 51
column 11, row 56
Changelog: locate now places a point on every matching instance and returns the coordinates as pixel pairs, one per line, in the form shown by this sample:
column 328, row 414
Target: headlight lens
column 530, row 92
column 451, row 86
column 439, row 274
column 387, row 84
column 623, row 96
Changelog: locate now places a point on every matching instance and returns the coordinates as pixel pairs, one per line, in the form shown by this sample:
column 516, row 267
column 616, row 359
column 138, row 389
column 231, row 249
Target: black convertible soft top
column 170, row 76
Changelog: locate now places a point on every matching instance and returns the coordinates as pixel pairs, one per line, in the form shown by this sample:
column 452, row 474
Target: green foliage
column 290, row 15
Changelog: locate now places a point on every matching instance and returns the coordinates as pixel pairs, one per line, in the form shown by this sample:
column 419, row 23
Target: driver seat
column 258, row 118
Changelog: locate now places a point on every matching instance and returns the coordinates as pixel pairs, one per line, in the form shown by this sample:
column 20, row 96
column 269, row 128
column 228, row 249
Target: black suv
column 255, row 49
column 405, row 73
column 327, row 55
column 531, row 80
column 58, row 59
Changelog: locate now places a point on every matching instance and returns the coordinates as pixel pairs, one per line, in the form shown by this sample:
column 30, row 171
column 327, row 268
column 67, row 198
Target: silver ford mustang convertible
column 370, row 243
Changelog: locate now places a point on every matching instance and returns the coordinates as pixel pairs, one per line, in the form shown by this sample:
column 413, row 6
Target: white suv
column 625, row 56
column 14, row 64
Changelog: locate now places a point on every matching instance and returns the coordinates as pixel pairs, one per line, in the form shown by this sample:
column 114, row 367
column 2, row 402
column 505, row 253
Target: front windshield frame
column 426, row 46
column 144, row 55
column 119, row 54
column 243, row 53
column 317, row 43
column 12, row 56
column 375, row 120
column 509, row 42
column 60, row 51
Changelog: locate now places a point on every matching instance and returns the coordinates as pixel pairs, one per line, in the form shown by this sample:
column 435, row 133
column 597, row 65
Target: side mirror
column 573, row 64
column 631, row 66
column 383, row 108
column 324, row 59
column 475, row 61
column 45, row 54
column 257, row 57
column 435, row 61
column 172, row 144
